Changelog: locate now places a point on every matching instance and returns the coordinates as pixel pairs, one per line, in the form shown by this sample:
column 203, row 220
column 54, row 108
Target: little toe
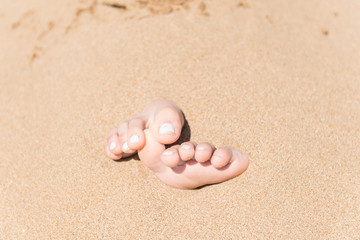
column 167, row 125
column 170, row 157
column 135, row 134
column 112, row 155
column 187, row 151
column 221, row 157
column 113, row 148
column 204, row 152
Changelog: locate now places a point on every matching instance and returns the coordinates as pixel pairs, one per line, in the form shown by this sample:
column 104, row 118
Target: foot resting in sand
column 183, row 166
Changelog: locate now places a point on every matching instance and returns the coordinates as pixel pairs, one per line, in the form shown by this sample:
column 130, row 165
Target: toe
column 204, row 152
column 170, row 157
column 167, row 125
column 221, row 157
column 123, row 135
column 135, row 134
column 187, row 151
column 123, row 129
column 112, row 155
column 112, row 146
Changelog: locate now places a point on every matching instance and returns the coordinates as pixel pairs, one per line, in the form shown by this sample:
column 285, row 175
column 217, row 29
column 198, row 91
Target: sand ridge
column 48, row 29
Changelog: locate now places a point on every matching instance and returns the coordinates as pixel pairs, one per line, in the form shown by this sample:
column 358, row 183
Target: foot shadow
column 184, row 136
column 132, row 157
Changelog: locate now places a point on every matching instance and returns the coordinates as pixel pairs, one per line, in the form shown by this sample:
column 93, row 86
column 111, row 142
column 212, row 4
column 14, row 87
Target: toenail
column 220, row 155
column 167, row 128
column 168, row 153
column 201, row 148
column 134, row 139
column 112, row 145
column 185, row 147
column 125, row 147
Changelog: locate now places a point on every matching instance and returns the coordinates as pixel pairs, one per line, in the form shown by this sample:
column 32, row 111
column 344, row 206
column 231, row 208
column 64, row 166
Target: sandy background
column 279, row 80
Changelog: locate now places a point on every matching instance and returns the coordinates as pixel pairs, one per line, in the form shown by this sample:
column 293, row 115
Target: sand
column 278, row 80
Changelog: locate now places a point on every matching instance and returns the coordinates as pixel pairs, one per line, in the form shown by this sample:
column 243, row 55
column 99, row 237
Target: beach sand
column 278, row 80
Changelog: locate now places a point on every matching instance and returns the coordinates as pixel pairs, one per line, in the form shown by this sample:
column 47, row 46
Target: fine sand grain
column 278, row 80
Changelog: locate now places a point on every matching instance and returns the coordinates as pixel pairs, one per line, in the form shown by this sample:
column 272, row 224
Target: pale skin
column 184, row 166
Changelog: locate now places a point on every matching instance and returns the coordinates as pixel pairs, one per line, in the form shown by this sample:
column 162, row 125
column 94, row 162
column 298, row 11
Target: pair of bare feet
column 185, row 166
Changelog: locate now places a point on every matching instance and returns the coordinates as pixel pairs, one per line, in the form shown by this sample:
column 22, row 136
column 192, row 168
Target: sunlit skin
column 186, row 166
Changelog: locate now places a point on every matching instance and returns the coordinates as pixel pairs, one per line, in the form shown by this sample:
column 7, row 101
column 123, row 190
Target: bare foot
column 164, row 119
column 189, row 165
column 186, row 166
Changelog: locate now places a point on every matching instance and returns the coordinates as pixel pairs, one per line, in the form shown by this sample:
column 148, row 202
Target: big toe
column 167, row 125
